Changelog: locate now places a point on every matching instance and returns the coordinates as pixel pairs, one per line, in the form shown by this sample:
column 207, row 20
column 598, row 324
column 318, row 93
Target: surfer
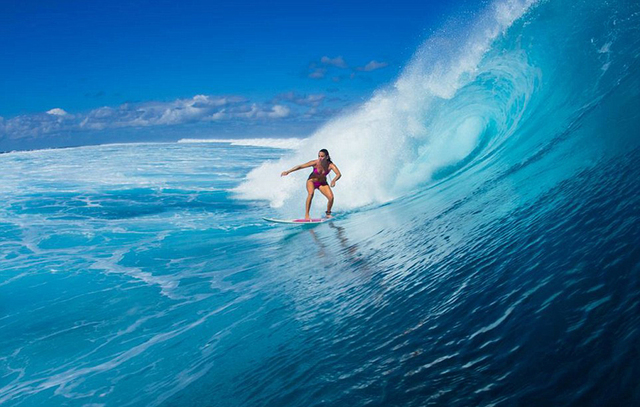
column 318, row 179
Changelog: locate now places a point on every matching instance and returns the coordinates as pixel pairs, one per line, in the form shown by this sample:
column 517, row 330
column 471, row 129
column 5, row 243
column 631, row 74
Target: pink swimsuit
column 317, row 184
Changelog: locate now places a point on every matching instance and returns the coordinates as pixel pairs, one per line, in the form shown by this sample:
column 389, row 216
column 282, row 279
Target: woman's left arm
column 338, row 175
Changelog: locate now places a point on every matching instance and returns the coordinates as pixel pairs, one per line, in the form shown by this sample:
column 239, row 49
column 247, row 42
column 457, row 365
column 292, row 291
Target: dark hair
column 326, row 152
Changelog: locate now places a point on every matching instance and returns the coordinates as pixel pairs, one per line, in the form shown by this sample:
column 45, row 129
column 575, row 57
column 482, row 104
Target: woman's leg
column 326, row 191
column 310, row 190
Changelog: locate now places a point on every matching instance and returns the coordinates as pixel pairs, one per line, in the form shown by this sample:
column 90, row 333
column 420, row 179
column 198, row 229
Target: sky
column 82, row 72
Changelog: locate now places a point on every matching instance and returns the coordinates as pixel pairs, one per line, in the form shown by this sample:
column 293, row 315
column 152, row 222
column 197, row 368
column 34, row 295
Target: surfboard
column 298, row 221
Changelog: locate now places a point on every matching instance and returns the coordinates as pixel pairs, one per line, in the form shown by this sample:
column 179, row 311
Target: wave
column 486, row 94
column 436, row 119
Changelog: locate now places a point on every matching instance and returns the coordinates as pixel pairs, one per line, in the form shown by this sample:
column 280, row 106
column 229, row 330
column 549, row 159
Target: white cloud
column 372, row 66
column 278, row 112
column 199, row 108
column 337, row 62
column 301, row 100
column 273, row 112
column 221, row 115
column 327, row 65
column 318, row 73
column 57, row 112
column 103, row 112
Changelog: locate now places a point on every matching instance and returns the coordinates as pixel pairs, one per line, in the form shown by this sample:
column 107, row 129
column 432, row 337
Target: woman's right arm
column 298, row 167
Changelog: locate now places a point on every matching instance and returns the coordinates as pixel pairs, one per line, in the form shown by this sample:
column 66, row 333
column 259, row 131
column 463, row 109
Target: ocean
column 485, row 249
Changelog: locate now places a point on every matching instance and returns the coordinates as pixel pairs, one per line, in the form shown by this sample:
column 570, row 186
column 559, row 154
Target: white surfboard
column 298, row 221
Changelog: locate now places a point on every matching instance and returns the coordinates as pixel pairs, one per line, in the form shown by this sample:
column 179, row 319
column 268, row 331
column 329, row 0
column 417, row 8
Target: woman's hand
column 333, row 184
column 284, row 173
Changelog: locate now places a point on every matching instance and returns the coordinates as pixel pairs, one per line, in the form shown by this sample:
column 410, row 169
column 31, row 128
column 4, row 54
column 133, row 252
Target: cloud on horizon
column 197, row 109
column 56, row 126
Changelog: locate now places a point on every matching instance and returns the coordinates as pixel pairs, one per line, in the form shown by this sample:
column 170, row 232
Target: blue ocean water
column 486, row 249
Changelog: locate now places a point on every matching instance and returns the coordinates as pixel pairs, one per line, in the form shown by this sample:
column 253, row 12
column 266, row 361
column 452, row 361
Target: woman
column 318, row 179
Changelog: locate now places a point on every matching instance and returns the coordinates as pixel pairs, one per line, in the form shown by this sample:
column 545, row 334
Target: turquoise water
column 489, row 255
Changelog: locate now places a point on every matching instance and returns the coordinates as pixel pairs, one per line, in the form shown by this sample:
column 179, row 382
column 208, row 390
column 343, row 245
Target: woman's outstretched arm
column 298, row 167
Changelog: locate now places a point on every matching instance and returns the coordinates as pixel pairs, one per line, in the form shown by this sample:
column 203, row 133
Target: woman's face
column 322, row 156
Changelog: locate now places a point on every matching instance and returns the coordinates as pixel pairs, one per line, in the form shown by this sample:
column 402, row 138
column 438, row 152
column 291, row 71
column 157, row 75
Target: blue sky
column 196, row 67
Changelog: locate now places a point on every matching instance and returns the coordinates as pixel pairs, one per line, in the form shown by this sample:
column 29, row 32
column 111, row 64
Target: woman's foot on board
column 328, row 214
